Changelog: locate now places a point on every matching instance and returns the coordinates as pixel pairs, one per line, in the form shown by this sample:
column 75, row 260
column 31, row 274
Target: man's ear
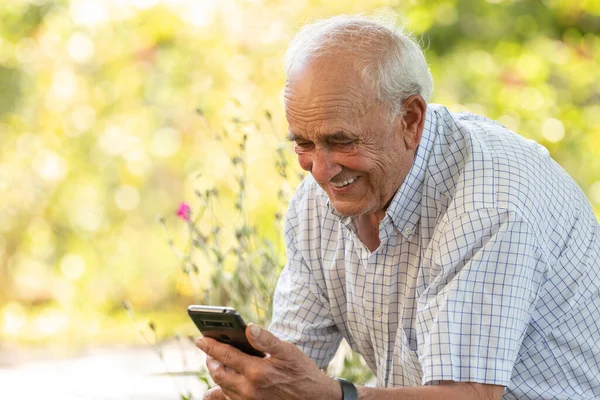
column 413, row 120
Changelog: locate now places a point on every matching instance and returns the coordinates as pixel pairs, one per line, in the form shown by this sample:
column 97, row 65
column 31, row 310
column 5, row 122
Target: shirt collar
column 405, row 208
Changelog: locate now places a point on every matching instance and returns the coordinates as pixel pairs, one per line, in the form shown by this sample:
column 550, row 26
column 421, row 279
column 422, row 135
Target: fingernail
column 200, row 343
column 254, row 330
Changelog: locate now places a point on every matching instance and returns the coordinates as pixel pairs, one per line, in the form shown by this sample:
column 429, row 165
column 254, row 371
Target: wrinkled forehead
column 333, row 78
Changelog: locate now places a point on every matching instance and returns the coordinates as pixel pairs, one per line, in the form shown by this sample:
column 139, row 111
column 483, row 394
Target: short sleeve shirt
column 488, row 270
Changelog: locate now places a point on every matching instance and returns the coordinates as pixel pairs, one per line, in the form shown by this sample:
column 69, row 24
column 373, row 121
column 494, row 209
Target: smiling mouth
column 344, row 183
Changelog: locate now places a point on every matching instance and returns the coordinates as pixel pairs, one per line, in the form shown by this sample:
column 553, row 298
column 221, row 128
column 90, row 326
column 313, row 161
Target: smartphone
column 223, row 324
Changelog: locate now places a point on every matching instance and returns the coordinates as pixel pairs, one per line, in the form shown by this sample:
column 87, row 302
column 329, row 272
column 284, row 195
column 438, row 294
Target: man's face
column 344, row 137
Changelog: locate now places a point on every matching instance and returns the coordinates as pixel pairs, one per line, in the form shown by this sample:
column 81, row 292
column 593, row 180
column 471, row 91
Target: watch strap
column 348, row 389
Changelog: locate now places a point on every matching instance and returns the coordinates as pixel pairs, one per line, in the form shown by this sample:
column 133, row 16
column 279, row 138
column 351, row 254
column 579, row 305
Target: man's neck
column 368, row 229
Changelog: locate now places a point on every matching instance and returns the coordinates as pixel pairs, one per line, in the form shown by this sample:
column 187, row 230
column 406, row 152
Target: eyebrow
column 339, row 135
column 292, row 137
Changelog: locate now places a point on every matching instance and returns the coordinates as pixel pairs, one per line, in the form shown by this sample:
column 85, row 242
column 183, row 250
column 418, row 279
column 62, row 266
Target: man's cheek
column 305, row 161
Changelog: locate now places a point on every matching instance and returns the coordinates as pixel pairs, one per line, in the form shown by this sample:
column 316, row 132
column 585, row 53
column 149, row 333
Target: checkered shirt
column 488, row 270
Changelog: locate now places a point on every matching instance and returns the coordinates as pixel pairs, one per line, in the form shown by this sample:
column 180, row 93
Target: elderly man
column 454, row 255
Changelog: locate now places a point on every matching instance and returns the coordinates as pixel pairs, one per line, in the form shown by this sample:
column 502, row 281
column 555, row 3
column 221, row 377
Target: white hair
column 387, row 58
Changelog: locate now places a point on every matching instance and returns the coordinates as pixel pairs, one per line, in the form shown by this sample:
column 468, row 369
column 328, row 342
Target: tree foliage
column 113, row 112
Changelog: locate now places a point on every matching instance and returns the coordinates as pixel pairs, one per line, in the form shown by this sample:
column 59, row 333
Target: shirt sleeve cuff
column 470, row 369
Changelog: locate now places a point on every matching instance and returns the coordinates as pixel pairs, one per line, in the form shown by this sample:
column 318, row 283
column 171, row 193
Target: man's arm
column 485, row 274
column 446, row 390
column 301, row 311
column 287, row 373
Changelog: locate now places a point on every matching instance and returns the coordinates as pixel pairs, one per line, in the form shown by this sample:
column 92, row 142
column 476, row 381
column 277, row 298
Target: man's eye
column 343, row 143
column 304, row 145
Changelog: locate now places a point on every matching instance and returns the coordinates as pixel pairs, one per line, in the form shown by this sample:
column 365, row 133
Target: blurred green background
column 114, row 112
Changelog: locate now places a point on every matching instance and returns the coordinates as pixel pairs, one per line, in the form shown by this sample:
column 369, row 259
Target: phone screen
column 223, row 324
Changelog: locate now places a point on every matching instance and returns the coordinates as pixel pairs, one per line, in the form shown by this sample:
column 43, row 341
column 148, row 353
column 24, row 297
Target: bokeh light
column 113, row 112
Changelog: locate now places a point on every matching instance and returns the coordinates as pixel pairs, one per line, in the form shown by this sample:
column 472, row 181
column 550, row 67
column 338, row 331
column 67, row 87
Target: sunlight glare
column 14, row 318
column 88, row 12
column 83, row 118
column 50, row 166
column 553, row 130
column 594, row 192
column 51, row 322
column 80, row 47
column 72, row 266
column 166, row 142
column 127, row 198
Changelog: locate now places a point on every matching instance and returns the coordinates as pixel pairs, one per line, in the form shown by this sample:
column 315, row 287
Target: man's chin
column 347, row 210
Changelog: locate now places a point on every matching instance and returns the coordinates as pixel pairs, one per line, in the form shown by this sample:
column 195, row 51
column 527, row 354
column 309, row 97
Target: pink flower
column 184, row 211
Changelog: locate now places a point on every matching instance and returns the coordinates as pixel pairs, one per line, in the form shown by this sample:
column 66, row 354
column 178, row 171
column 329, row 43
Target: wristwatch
column 348, row 389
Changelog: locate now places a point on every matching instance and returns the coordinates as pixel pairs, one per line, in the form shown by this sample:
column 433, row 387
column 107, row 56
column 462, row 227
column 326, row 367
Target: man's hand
column 284, row 373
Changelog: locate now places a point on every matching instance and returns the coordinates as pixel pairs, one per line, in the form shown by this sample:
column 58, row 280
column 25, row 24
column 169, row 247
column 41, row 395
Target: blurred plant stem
column 156, row 345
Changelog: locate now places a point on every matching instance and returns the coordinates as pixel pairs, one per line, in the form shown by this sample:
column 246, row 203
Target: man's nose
column 324, row 166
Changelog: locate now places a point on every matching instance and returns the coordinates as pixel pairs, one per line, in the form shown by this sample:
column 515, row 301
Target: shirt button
column 408, row 231
column 377, row 311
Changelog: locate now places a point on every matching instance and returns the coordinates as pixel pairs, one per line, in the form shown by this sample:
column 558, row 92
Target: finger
column 226, row 378
column 215, row 394
column 217, row 362
column 263, row 340
column 227, row 355
column 212, row 363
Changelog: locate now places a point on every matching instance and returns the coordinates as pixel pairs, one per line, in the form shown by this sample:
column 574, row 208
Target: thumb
column 263, row 340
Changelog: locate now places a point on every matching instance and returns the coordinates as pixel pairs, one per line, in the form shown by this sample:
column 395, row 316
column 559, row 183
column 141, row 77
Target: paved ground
column 107, row 374
column 116, row 373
